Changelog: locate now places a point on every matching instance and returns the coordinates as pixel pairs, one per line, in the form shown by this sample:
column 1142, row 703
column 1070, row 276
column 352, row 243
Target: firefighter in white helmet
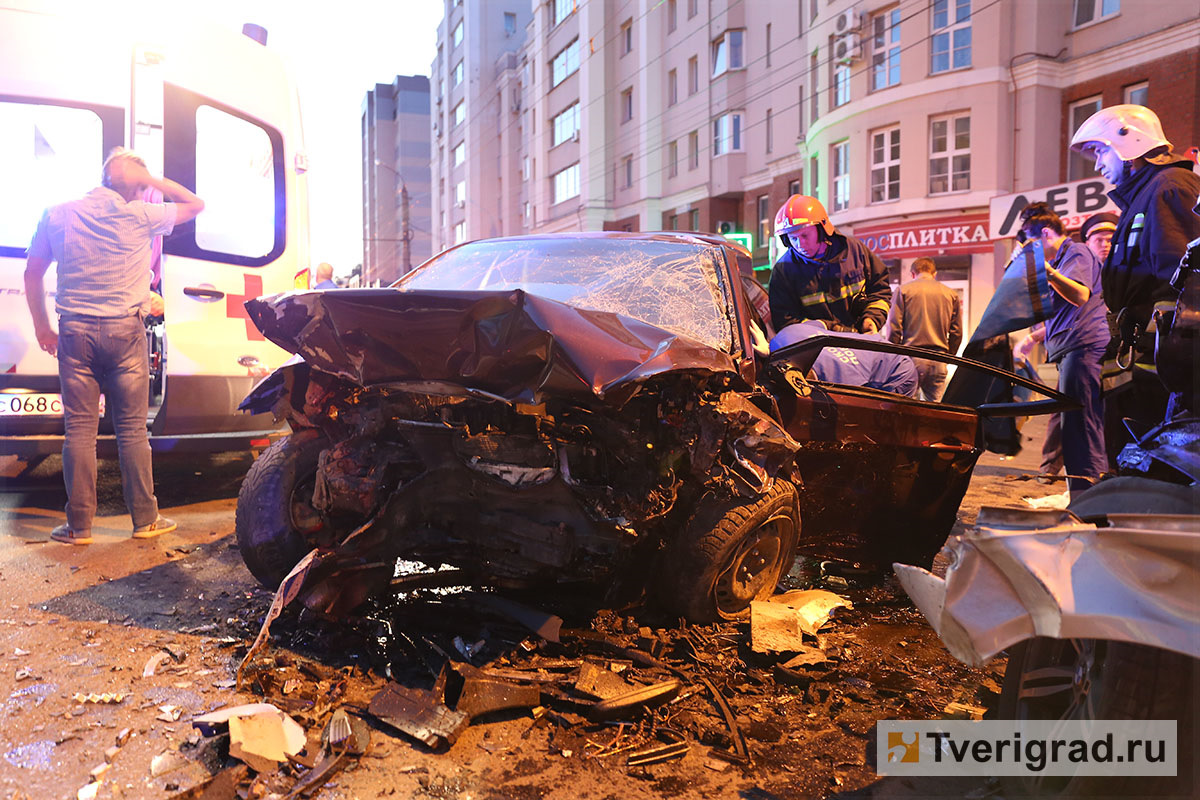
column 1155, row 191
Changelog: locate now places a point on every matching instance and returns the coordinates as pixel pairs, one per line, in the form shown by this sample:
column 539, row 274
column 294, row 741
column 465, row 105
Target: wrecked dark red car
column 583, row 408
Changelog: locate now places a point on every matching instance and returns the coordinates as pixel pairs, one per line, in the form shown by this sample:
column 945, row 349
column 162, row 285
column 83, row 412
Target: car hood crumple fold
column 508, row 342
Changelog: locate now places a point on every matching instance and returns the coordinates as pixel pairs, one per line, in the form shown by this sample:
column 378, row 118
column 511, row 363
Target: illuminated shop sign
column 957, row 235
column 1074, row 202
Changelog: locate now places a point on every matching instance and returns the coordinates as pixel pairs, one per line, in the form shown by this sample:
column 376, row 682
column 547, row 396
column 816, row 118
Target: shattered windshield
column 671, row 285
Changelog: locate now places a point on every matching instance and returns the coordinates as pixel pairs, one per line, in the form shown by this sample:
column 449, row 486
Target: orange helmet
column 800, row 211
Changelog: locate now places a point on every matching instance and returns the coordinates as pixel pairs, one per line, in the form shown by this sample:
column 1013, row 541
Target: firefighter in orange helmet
column 825, row 275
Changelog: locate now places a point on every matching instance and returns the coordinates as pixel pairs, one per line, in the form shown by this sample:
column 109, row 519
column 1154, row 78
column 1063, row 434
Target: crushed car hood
column 508, row 342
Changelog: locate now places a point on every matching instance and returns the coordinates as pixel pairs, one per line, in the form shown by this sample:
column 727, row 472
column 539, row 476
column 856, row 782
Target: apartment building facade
column 909, row 120
column 476, row 124
column 396, row 179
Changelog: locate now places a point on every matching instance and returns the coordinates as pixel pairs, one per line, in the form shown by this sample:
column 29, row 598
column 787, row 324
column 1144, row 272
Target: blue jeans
column 1083, row 430
column 105, row 355
column 931, row 376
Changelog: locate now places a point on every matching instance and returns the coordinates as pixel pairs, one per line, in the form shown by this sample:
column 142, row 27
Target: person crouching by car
column 825, row 275
column 1076, row 338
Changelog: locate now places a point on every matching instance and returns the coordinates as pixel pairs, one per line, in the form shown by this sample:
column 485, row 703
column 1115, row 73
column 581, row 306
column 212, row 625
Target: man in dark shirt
column 928, row 314
column 824, row 275
column 1076, row 337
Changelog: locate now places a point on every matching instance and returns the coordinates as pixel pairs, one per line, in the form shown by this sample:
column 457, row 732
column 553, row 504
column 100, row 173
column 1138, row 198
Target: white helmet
column 1131, row 131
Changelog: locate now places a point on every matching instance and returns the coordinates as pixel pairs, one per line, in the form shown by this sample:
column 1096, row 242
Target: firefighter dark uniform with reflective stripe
column 1155, row 192
column 825, row 275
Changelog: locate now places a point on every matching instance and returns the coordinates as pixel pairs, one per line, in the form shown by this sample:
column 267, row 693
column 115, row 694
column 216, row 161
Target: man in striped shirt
column 102, row 244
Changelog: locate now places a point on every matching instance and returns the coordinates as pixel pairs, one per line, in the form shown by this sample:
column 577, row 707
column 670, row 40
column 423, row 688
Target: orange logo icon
column 902, row 747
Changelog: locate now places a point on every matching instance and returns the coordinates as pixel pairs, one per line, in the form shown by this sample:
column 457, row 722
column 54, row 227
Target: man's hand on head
column 869, row 326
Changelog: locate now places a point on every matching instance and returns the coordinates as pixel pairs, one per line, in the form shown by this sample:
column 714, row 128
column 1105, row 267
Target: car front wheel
column 276, row 523
column 731, row 553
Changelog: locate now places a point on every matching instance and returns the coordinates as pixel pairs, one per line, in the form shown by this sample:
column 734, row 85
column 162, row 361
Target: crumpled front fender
column 1022, row 574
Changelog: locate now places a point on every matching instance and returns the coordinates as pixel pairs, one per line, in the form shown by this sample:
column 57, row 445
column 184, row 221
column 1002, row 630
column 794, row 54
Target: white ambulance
column 208, row 107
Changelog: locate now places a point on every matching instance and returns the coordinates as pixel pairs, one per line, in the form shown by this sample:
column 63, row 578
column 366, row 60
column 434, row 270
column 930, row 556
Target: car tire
column 731, row 553
column 1133, row 495
column 275, row 521
column 1089, row 679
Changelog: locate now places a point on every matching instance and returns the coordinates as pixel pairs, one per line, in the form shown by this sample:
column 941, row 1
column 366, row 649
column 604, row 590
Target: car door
column 884, row 474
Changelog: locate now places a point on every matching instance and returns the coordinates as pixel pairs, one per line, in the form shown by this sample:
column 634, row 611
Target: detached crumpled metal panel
column 1022, row 574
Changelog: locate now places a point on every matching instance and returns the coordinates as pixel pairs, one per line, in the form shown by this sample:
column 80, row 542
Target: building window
column 510, row 24
column 840, row 162
column 885, row 165
column 1079, row 166
column 885, row 50
column 694, row 219
column 627, row 105
column 460, row 232
column 727, row 53
column 673, row 222
column 457, row 36
column 693, row 75
column 951, row 48
column 672, row 15
column 727, row 134
column 457, row 77
column 693, row 8
column 800, row 113
column 459, row 155
column 672, row 87
column 768, row 44
column 563, row 9
column 814, row 99
column 795, row 187
column 673, row 159
column 1138, row 94
column 460, row 194
column 565, row 63
column 812, row 17
column 693, row 150
column 460, row 112
column 1095, row 10
column 950, row 154
column 814, row 173
column 565, row 184
column 841, row 85
column 565, row 125
column 627, row 37
column 764, row 220
column 770, row 132
column 627, row 172
column 525, row 168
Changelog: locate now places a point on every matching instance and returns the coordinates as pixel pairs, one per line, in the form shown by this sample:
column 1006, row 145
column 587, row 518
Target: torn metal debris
column 418, row 713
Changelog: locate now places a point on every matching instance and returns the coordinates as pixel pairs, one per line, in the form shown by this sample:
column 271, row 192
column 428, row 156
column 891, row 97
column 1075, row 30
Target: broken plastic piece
column 166, row 761
column 482, row 694
column 265, row 739
column 598, row 682
column 93, row 697
column 641, row 697
column 418, row 713
column 154, row 662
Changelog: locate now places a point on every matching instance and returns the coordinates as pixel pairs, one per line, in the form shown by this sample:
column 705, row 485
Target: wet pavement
column 92, row 620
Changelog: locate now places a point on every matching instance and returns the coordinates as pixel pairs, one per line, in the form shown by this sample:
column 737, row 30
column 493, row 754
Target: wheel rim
column 1061, row 680
column 752, row 567
column 305, row 519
